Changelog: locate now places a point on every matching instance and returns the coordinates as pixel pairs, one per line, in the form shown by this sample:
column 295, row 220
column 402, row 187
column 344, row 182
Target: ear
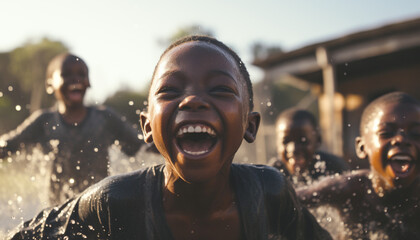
column 145, row 127
column 360, row 148
column 252, row 128
column 48, row 86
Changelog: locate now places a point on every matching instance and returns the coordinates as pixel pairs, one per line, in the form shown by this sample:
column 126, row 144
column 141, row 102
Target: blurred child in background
column 77, row 135
column 298, row 140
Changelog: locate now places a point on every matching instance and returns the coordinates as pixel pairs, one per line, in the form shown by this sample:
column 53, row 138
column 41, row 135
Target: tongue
column 400, row 166
column 195, row 145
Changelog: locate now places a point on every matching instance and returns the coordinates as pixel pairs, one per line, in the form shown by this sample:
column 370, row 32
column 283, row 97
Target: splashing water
column 25, row 179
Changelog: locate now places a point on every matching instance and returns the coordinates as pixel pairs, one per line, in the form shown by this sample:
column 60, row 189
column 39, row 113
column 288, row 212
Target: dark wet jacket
column 80, row 151
column 130, row 207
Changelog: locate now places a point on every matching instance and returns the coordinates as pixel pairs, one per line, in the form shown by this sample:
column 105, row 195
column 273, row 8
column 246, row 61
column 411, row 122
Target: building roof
column 400, row 40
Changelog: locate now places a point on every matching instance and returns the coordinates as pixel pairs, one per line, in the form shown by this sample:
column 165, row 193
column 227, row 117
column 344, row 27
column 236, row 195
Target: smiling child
column 77, row 135
column 298, row 156
column 200, row 110
column 385, row 199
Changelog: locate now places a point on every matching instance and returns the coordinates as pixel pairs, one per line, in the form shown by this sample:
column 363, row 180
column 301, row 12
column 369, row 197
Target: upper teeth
column 401, row 158
column 76, row 86
column 196, row 129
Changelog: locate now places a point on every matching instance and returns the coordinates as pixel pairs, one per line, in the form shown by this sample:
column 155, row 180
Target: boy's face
column 70, row 82
column 296, row 143
column 198, row 111
column 391, row 141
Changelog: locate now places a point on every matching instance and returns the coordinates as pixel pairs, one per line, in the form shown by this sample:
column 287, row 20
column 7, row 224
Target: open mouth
column 196, row 139
column 75, row 92
column 401, row 165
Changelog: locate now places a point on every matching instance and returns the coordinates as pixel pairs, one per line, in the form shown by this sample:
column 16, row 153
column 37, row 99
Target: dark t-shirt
column 323, row 164
column 80, row 151
column 130, row 206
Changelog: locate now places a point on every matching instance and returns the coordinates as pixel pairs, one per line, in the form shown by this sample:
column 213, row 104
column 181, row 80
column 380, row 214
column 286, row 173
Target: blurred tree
column 276, row 96
column 194, row 29
column 129, row 104
column 262, row 50
column 22, row 77
column 28, row 64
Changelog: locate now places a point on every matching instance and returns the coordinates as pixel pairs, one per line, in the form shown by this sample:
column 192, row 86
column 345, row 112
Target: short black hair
column 240, row 64
column 295, row 114
column 395, row 97
column 58, row 61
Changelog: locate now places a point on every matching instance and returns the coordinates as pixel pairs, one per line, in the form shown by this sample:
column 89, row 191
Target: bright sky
column 119, row 39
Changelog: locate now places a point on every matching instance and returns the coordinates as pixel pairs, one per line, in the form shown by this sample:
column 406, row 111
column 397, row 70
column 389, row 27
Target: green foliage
column 262, row 50
column 29, row 62
column 22, row 77
column 274, row 97
column 128, row 103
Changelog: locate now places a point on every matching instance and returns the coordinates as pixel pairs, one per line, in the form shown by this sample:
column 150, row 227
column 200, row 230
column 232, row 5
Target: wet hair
column 215, row 42
column 394, row 97
column 295, row 114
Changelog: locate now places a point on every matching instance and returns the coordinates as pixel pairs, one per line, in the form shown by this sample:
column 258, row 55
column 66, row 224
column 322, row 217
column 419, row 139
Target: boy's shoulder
column 123, row 187
column 351, row 180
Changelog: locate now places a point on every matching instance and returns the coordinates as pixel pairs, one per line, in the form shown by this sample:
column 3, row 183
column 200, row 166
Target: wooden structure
column 348, row 72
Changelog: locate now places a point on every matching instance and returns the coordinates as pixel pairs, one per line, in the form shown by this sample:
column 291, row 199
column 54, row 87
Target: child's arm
column 331, row 190
column 29, row 132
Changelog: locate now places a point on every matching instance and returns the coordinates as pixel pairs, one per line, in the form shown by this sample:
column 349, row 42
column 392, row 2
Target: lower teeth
column 195, row 153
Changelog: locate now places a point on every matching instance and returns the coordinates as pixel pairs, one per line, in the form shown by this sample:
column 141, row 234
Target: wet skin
column 389, row 192
column 69, row 84
column 296, row 143
column 392, row 144
column 198, row 86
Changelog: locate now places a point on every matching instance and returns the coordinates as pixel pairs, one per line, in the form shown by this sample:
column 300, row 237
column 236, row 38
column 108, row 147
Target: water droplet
column 10, row 88
column 18, row 108
column 131, row 103
column 268, row 104
column 96, row 149
column 1, row 94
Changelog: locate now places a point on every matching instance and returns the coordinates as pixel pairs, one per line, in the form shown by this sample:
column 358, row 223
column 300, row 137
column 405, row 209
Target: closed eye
column 223, row 90
column 168, row 92
column 385, row 134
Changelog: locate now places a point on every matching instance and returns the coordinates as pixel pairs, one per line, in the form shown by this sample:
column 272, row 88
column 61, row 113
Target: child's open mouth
column 401, row 165
column 75, row 92
column 196, row 139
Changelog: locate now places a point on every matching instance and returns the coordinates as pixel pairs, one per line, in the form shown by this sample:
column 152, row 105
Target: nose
column 400, row 138
column 193, row 103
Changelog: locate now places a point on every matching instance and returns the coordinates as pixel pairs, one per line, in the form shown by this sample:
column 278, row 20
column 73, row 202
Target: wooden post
column 330, row 119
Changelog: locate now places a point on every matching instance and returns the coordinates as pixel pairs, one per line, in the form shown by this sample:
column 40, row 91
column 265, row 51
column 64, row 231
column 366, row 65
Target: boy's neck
column 72, row 115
